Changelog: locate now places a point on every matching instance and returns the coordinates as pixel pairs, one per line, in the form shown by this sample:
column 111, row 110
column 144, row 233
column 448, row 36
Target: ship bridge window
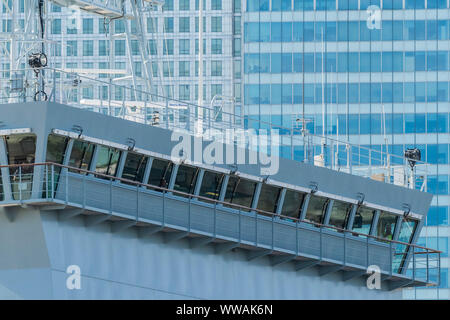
column 363, row 220
column 81, row 155
column 21, row 149
column 240, row 191
column 160, row 173
column 268, row 199
column 186, row 179
column 211, row 185
column 292, row 204
column 316, row 209
column 107, row 161
column 386, row 225
column 407, row 230
column 56, row 149
column 339, row 214
column 134, row 167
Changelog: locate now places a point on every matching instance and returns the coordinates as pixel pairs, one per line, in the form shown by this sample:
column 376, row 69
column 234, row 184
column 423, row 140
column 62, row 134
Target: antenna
column 199, row 126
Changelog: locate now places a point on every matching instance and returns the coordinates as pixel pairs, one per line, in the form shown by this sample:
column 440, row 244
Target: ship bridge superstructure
column 75, row 164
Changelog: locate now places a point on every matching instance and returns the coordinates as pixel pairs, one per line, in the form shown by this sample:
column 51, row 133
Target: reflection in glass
column 186, row 179
column 160, row 173
column 81, row 155
column 56, row 149
column 21, row 149
column 363, row 220
column 407, row 229
column 316, row 209
column 107, row 161
column 211, row 185
column 240, row 191
column 339, row 214
column 386, row 225
column 134, row 167
column 292, row 204
column 406, row 234
column 268, row 198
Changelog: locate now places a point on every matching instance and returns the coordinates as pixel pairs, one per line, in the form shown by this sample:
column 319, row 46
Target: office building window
column 184, row 25
column 216, row 68
column 184, row 46
column 216, row 46
column 216, row 24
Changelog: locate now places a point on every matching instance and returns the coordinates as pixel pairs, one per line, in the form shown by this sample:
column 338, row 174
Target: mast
column 200, row 68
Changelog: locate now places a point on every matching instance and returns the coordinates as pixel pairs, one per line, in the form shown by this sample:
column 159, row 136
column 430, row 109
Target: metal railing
column 152, row 109
column 55, row 183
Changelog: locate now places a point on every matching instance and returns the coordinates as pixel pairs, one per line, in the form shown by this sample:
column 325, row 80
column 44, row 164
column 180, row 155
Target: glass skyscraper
column 377, row 70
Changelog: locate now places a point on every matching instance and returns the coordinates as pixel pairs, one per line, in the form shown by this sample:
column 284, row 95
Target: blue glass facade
column 387, row 80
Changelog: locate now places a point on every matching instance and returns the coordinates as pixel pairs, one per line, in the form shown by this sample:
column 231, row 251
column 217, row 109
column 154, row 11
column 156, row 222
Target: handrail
column 293, row 130
column 239, row 207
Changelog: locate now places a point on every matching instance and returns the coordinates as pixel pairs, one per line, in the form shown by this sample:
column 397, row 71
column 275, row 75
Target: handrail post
column 164, row 209
column 20, row 184
column 367, row 250
column 428, row 266
column 256, row 229
column 137, row 202
column 46, row 182
column 53, row 181
column 321, row 253
column 345, row 248
column 189, row 214
column 296, row 237
column 215, row 219
column 439, row 269
column 239, row 225
column 391, row 254
column 272, row 229
column 110, row 196
column 414, row 263
column 66, row 172
column 84, row 190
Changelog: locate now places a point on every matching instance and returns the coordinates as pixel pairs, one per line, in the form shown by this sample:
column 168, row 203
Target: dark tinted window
column 268, row 199
column 211, row 185
column 134, row 167
column 292, row 204
column 363, row 220
column 21, row 149
column 107, row 160
column 186, row 179
column 160, row 173
column 386, row 225
column 56, row 149
column 240, row 191
column 81, row 155
column 339, row 214
column 316, row 209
